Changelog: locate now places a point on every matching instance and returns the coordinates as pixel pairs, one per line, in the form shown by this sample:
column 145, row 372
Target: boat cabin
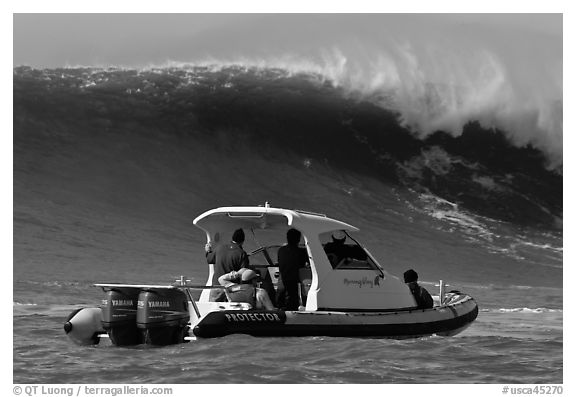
column 352, row 282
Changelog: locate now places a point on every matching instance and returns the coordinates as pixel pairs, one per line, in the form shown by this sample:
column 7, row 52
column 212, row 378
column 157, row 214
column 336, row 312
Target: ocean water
column 112, row 165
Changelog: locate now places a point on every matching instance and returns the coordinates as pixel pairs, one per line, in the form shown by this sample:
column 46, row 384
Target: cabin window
column 344, row 253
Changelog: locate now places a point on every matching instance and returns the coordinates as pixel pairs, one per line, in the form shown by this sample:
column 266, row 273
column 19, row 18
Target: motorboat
column 349, row 297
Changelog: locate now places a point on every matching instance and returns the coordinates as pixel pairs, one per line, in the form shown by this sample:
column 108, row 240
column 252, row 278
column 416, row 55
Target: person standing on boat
column 229, row 257
column 242, row 287
column 291, row 258
column 421, row 295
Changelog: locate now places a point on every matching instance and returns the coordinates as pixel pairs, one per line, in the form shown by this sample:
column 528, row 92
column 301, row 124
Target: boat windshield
column 345, row 253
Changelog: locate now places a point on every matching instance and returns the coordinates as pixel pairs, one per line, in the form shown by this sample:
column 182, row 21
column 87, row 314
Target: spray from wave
column 436, row 73
column 431, row 96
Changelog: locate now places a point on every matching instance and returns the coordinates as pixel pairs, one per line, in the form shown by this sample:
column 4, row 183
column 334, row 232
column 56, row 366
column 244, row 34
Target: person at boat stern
column 291, row 258
column 227, row 258
column 421, row 295
column 242, row 287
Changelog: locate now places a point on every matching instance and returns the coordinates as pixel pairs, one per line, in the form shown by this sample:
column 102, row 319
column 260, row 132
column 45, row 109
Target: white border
column 261, row 6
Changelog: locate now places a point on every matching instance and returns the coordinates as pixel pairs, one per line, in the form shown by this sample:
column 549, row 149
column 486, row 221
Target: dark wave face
column 278, row 117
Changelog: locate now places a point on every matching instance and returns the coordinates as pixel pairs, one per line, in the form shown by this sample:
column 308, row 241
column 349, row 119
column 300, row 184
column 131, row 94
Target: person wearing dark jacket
column 229, row 257
column 291, row 258
column 422, row 297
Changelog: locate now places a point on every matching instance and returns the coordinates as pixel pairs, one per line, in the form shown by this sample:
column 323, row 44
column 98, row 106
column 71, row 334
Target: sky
column 52, row 40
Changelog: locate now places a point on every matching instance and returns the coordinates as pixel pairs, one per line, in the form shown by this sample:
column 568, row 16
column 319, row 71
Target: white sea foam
column 545, row 246
column 449, row 212
column 522, row 310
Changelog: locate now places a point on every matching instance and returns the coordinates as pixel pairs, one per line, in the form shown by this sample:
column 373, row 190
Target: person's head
column 339, row 237
column 238, row 236
column 293, row 237
column 249, row 276
column 410, row 276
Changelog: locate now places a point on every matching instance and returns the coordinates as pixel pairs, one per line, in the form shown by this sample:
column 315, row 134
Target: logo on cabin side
column 364, row 282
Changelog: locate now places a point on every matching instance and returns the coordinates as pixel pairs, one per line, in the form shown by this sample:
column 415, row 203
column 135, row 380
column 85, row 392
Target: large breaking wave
column 436, row 90
column 436, row 139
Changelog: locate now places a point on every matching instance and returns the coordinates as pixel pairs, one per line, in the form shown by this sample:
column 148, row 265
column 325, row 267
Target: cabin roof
column 265, row 217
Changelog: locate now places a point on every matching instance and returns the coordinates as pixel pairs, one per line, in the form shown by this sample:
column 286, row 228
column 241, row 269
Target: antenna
column 255, row 239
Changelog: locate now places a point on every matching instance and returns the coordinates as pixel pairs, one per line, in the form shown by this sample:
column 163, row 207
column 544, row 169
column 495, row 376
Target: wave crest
column 438, row 89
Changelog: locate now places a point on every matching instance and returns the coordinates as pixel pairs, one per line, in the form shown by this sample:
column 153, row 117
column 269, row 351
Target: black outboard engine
column 163, row 316
column 119, row 315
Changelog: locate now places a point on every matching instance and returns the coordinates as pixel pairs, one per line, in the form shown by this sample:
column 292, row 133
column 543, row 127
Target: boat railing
column 442, row 293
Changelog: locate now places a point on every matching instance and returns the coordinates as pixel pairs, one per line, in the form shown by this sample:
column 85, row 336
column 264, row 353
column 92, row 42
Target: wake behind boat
column 351, row 296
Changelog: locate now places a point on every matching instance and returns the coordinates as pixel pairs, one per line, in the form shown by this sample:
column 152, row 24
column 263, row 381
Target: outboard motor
column 163, row 316
column 119, row 315
column 84, row 326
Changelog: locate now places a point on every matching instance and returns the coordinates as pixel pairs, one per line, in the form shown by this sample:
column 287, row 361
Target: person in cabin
column 291, row 258
column 337, row 249
column 241, row 286
column 227, row 258
column 421, row 295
